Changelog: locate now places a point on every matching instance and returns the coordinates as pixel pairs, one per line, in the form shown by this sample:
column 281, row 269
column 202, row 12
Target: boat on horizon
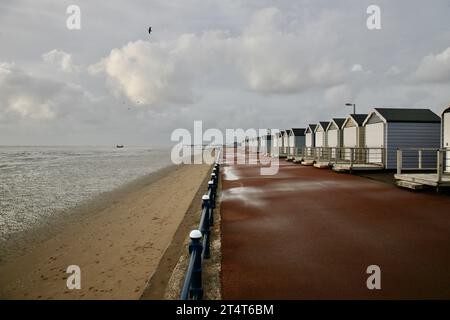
column 119, row 146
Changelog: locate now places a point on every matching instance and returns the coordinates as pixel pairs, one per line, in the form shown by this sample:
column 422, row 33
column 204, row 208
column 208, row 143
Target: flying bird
column 149, row 30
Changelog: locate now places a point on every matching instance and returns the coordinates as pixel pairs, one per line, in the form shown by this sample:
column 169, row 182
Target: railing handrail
column 187, row 280
column 199, row 248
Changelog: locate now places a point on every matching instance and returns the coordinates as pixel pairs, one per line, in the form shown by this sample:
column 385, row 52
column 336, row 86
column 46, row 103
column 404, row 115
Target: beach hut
column 353, row 131
column 310, row 136
column 321, row 150
column 280, row 143
column 389, row 129
column 266, row 144
column 334, row 135
column 309, row 150
column 446, row 137
column 320, row 136
column 296, row 141
column 286, row 141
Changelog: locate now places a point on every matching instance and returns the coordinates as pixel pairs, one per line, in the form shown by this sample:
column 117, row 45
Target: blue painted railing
column 199, row 247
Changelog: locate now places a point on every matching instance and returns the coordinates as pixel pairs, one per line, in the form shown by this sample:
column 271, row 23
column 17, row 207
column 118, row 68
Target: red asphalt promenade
column 310, row 233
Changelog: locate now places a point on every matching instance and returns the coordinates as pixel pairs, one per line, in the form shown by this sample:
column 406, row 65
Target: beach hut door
column 375, row 141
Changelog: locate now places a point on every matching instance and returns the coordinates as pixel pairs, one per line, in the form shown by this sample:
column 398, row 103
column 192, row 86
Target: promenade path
column 308, row 233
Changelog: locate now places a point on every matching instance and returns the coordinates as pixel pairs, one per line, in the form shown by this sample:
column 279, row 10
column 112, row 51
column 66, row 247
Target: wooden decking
column 322, row 164
column 307, row 162
column 345, row 167
column 428, row 179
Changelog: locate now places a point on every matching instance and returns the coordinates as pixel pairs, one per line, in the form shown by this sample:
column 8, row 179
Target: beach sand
column 117, row 242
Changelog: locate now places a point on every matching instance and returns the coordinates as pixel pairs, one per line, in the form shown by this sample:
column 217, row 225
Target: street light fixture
column 354, row 106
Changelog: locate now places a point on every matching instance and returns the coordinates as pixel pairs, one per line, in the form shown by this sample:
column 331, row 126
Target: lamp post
column 354, row 106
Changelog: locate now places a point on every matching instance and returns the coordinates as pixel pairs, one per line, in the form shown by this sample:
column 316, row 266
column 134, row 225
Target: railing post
column 213, row 178
column 196, row 291
column 399, row 161
column 206, row 205
column 440, row 165
column 212, row 200
column 420, row 158
column 352, row 153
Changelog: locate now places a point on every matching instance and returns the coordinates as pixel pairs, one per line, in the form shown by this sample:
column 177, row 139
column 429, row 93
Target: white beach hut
column 334, row 135
column 280, row 143
column 353, row 131
column 446, row 137
column 286, row 141
column 320, row 136
column 310, row 136
column 395, row 128
column 266, row 143
column 310, row 143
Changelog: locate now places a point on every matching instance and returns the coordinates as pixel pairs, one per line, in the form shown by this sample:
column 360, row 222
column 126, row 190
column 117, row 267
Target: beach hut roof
column 446, row 110
column 298, row 131
column 311, row 128
column 337, row 121
column 323, row 124
column 359, row 117
column 405, row 115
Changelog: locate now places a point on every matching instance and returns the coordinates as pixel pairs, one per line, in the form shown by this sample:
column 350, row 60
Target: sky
column 231, row 64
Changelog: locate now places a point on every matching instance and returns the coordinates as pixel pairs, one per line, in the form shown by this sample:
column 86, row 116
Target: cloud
column 24, row 96
column 393, row 71
column 434, row 68
column 61, row 59
column 270, row 56
column 356, row 68
column 273, row 56
column 336, row 96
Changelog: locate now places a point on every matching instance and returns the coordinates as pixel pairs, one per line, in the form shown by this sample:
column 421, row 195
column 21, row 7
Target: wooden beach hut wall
column 334, row 135
column 446, row 137
column 296, row 140
column 402, row 128
column 309, row 136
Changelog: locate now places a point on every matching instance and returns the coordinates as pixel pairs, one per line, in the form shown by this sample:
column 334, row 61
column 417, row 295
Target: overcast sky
column 236, row 63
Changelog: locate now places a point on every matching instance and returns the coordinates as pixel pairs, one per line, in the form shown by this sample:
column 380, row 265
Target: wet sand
column 118, row 241
column 310, row 233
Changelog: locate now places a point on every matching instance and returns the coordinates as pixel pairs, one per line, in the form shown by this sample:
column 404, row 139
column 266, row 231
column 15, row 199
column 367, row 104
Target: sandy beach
column 117, row 241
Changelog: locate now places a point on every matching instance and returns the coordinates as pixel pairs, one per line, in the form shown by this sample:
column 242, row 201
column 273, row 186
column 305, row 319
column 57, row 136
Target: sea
column 40, row 183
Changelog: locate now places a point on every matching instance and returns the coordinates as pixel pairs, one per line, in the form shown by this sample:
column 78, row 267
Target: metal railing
column 199, row 247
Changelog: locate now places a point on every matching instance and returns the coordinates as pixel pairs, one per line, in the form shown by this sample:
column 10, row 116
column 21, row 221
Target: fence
column 199, row 247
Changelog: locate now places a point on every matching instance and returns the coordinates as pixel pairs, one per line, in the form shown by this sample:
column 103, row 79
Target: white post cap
column 205, row 197
column 195, row 234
